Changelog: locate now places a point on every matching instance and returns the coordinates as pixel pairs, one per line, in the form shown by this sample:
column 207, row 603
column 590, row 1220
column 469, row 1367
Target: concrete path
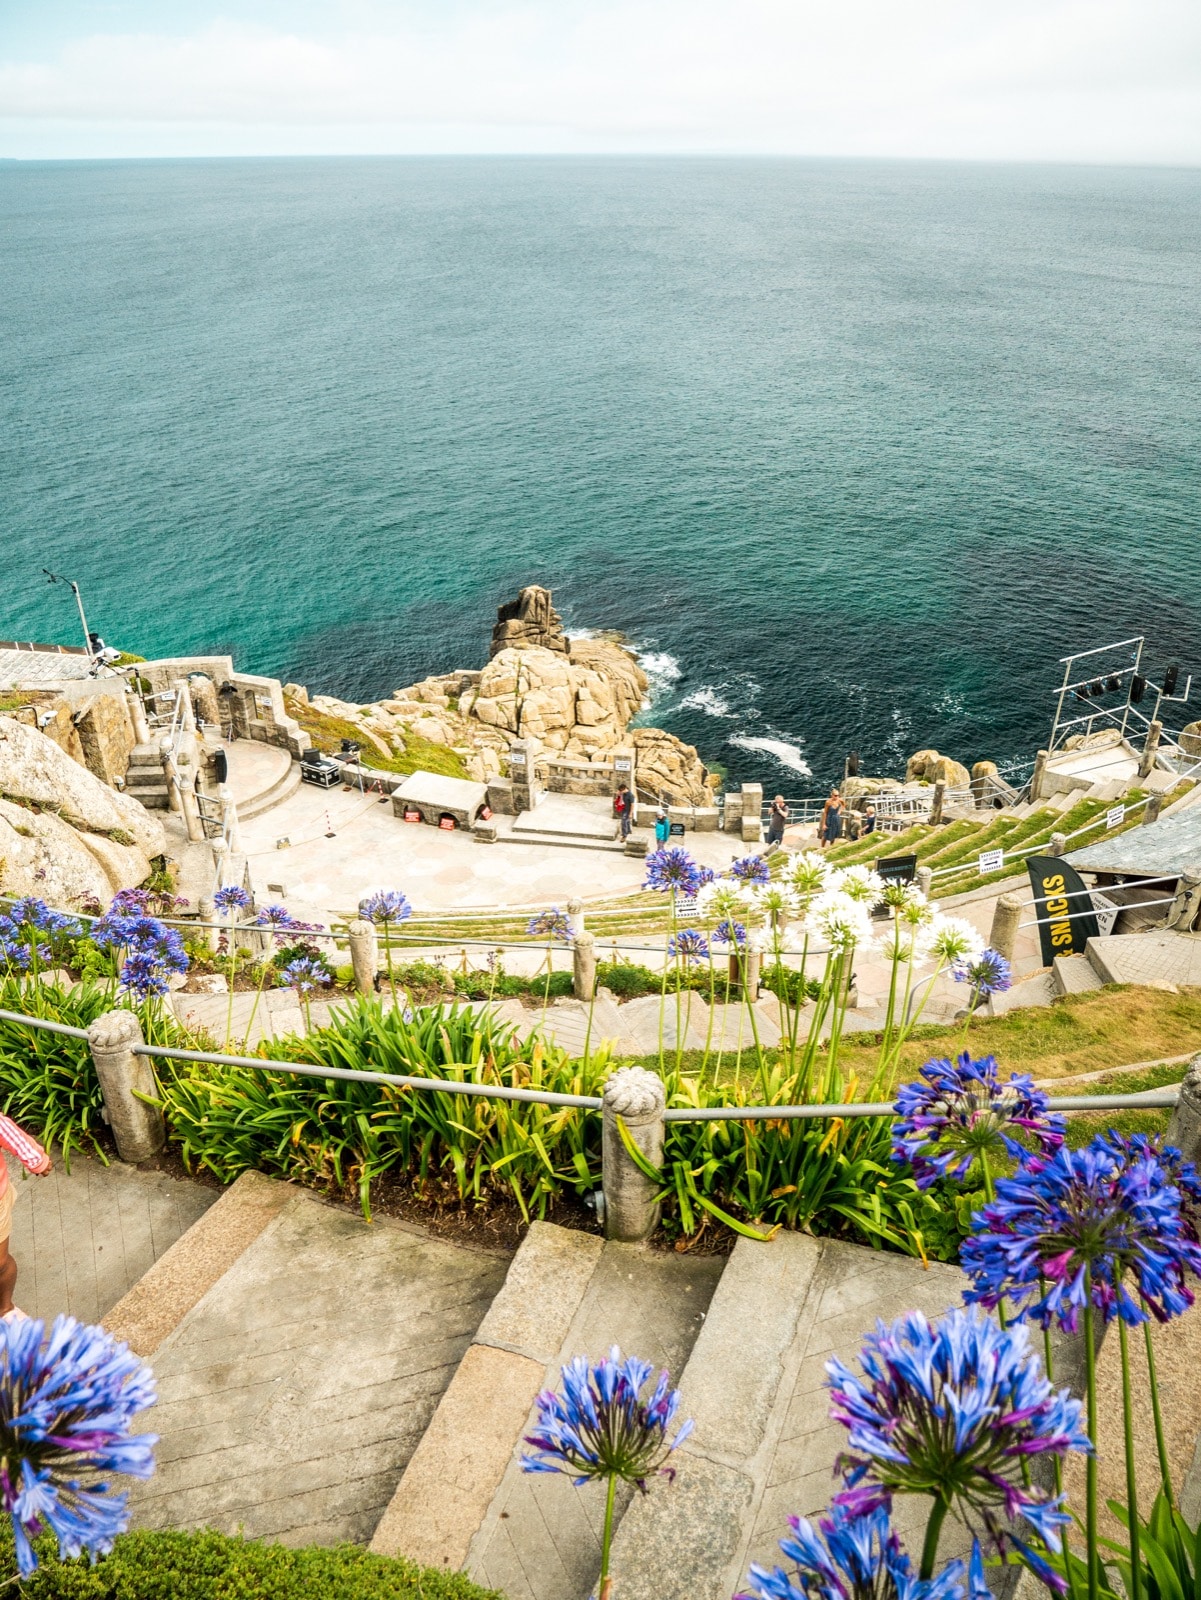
column 82, row 1239
column 292, row 1394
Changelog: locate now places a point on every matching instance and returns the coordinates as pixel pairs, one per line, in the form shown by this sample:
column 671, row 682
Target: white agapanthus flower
column 723, row 900
column 841, row 922
column 808, row 875
column 777, row 902
column 905, row 943
column 954, row 939
column 900, row 896
column 861, row 884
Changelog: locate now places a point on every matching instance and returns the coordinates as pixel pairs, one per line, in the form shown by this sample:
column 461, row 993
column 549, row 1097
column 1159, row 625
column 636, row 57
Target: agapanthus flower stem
column 606, row 1582
column 1165, row 1466
column 938, row 1513
column 1136, row 1575
column 1090, row 1463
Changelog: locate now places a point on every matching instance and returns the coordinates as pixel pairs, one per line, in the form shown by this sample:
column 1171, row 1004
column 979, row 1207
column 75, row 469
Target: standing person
column 777, row 821
column 662, row 827
column 623, row 805
column 34, row 1159
column 869, row 818
column 830, row 827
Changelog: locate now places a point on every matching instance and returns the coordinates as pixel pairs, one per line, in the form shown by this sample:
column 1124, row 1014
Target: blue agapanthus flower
column 1179, row 1172
column 602, row 1426
column 672, row 871
column 729, row 933
column 751, row 869
column 988, row 974
column 952, row 1409
column 850, row 1557
column 964, row 1110
column 1084, row 1217
column 304, row 974
column 29, row 921
column 386, row 905
column 550, row 925
column 66, row 1405
column 231, row 898
column 689, row 945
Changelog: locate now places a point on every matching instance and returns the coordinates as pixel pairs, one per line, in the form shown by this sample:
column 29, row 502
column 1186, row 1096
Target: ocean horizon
column 851, row 452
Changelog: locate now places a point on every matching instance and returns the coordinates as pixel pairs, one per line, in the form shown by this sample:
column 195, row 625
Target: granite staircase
column 145, row 779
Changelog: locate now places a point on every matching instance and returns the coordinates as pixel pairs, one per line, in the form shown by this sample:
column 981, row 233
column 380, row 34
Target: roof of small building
column 1160, row 850
column 431, row 789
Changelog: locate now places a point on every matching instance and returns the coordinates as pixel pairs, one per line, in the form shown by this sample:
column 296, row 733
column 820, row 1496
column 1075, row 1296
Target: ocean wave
column 662, row 671
column 709, row 700
column 788, row 755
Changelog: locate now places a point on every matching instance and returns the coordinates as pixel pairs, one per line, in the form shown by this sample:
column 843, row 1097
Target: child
column 34, row 1159
column 662, row 827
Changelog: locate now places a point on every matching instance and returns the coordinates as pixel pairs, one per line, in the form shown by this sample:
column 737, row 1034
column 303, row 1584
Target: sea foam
column 788, row 755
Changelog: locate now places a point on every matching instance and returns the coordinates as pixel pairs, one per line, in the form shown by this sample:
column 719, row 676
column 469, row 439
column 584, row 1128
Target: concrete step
column 464, row 1501
column 299, row 1353
column 282, row 789
column 1151, row 959
column 1075, row 975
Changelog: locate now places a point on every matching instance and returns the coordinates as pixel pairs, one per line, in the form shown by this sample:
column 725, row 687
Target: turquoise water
column 854, row 452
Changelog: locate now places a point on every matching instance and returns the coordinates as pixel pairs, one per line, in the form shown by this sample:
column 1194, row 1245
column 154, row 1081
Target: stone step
column 299, row 1354
column 464, row 1501
column 1075, row 975
column 282, row 789
column 763, row 1445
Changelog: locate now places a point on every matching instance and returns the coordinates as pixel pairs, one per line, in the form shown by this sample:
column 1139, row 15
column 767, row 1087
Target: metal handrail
column 1148, row 1099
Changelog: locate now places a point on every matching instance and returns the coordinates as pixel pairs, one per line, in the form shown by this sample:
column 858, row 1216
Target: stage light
column 1169, row 680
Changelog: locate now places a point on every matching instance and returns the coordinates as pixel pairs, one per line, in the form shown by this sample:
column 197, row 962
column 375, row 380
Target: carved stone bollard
column 1005, row 918
column 924, row 878
column 1153, row 807
column 364, row 954
column 1039, row 774
column 638, row 1098
column 124, row 1077
column 1058, row 844
column 1184, row 1129
column 575, row 917
column 1150, row 748
column 583, row 966
column 936, row 804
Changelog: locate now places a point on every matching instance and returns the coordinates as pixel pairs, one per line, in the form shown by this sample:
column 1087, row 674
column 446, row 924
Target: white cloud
column 1070, row 79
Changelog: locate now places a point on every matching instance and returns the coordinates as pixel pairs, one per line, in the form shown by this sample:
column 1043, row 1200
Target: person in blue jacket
column 662, row 827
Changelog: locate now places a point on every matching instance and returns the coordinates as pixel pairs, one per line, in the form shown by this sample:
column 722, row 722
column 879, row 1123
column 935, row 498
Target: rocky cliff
column 64, row 835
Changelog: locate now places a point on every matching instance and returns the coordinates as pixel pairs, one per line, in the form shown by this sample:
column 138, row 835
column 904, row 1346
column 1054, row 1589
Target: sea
column 851, row 452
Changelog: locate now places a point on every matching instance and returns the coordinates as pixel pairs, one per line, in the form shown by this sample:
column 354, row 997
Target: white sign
column 991, row 861
column 686, row 908
column 1115, row 816
column 621, row 764
column 1107, row 912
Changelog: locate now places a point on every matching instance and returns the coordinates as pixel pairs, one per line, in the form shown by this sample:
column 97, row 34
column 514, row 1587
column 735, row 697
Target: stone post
column 638, row 1098
column 191, row 813
column 575, row 917
column 583, row 966
column 1039, row 773
column 1184, row 1129
column 137, row 715
column 752, row 970
column 206, row 911
column 124, row 1078
column 1153, row 807
column 1182, row 913
column 522, row 776
column 229, row 812
column 752, row 812
column 1150, row 748
column 924, row 878
column 170, row 773
column 1004, row 934
column 1058, row 844
column 364, row 954
column 940, row 794
column 187, row 713
column 732, row 813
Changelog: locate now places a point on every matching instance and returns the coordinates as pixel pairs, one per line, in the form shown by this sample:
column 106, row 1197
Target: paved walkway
column 82, row 1239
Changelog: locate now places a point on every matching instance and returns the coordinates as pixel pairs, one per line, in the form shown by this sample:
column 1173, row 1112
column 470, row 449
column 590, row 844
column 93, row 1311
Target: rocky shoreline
column 575, row 699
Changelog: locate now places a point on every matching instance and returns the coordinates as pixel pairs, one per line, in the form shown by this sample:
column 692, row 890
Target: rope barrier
column 1146, row 1099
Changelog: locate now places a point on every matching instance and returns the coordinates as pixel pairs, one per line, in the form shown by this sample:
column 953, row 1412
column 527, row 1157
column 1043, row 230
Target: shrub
column 206, row 1565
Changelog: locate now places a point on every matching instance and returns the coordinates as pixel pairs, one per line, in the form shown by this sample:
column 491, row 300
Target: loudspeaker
column 1169, row 679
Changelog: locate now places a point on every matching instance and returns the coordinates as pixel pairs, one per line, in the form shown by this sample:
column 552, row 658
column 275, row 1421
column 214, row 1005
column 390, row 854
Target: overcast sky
column 1077, row 80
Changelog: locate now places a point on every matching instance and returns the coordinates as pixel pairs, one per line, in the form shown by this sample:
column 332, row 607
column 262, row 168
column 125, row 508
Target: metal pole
column 87, row 637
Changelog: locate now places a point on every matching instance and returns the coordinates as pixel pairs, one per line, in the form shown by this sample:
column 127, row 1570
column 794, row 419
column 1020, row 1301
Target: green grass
column 420, row 755
column 205, row 1565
